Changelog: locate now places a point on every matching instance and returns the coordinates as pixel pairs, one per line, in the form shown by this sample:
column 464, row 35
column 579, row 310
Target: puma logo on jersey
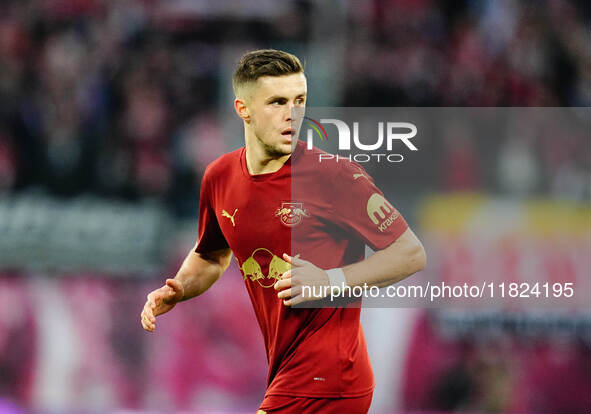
column 231, row 217
column 356, row 176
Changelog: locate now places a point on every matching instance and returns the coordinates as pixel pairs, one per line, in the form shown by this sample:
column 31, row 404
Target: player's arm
column 402, row 258
column 399, row 260
column 204, row 264
column 201, row 270
column 361, row 209
column 197, row 273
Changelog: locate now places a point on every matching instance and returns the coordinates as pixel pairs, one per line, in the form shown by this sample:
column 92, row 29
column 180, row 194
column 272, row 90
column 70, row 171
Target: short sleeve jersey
column 326, row 212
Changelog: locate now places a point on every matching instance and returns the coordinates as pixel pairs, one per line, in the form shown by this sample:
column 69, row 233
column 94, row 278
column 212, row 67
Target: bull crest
column 252, row 269
column 291, row 214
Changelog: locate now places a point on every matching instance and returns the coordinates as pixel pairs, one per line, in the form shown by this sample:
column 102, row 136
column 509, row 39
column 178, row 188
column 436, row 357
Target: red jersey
column 311, row 352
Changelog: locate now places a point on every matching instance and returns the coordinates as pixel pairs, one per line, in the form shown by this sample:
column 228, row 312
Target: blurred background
column 110, row 112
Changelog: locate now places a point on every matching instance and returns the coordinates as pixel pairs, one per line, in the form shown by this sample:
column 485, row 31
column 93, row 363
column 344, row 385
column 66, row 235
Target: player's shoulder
column 222, row 165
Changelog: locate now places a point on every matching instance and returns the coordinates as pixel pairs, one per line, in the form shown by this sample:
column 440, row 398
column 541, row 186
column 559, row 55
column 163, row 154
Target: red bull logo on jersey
column 251, row 268
column 291, row 214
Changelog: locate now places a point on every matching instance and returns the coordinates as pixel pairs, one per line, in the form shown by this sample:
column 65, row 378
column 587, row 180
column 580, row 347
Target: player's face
column 270, row 108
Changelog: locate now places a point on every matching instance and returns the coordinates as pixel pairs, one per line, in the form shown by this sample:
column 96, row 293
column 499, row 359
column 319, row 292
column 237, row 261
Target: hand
column 302, row 273
column 161, row 301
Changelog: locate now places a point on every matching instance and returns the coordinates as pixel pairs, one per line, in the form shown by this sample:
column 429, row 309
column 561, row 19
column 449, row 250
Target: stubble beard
column 272, row 151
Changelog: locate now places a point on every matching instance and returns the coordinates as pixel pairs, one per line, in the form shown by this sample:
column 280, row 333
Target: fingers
column 147, row 325
column 295, row 296
column 294, row 260
column 163, row 294
column 284, row 294
column 282, row 283
column 151, row 298
column 154, row 298
column 291, row 296
column 284, row 286
column 293, row 301
column 147, row 317
column 290, row 292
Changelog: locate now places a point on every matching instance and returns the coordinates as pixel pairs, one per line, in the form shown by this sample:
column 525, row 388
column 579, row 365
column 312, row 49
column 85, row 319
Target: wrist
column 336, row 279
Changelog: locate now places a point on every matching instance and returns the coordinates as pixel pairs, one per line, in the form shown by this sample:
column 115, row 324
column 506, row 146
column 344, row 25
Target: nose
column 289, row 111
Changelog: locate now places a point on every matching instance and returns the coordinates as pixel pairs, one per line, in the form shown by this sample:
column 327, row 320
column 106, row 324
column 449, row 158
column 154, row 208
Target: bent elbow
column 417, row 258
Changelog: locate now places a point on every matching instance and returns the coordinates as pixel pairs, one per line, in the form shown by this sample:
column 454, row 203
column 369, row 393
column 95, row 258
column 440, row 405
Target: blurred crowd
column 471, row 53
column 74, row 345
column 123, row 99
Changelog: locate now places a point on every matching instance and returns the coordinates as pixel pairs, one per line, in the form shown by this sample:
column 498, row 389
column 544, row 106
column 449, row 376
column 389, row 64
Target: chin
column 279, row 150
column 288, row 148
column 285, row 146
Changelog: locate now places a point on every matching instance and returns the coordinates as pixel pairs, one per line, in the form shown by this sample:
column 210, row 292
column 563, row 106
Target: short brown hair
column 264, row 62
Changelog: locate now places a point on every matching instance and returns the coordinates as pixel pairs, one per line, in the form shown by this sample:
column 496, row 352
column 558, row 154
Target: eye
column 300, row 101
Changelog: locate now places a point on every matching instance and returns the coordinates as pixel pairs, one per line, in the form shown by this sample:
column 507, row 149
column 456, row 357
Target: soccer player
column 318, row 361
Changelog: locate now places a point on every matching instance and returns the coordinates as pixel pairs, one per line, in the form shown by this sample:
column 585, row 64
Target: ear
column 241, row 109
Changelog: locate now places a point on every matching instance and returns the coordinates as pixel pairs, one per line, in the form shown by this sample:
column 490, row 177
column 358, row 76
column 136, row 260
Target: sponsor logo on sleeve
column 381, row 212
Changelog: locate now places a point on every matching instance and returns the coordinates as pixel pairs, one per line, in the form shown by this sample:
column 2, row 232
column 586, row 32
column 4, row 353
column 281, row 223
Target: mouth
column 288, row 132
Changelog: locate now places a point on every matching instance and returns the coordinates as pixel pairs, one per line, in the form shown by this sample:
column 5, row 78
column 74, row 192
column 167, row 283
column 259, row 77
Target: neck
column 258, row 161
